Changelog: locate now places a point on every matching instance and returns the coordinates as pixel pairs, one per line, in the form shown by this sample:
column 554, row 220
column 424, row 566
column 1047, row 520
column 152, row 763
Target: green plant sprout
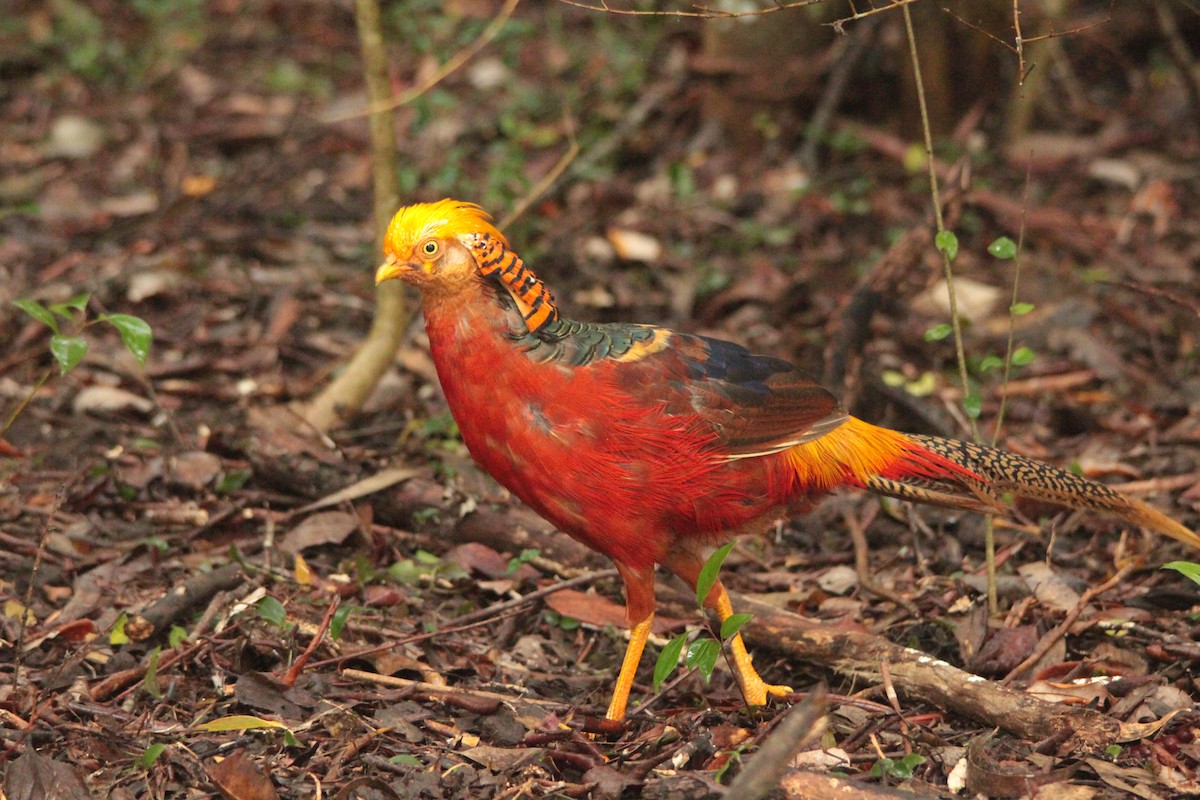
column 703, row 652
column 67, row 321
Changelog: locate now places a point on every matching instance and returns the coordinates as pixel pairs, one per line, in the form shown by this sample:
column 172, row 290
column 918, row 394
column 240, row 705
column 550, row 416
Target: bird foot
column 756, row 690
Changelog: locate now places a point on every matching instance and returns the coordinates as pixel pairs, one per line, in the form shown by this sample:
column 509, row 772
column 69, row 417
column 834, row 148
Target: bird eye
column 430, row 248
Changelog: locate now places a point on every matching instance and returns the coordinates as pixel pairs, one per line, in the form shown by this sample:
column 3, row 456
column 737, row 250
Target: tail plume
column 1000, row 472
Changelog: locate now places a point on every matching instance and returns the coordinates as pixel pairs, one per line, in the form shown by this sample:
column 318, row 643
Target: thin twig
column 452, row 64
column 935, row 194
column 435, row 689
column 547, row 180
column 1018, row 41
column 289, row 678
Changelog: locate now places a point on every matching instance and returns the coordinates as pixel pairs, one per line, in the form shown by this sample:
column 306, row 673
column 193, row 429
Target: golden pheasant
column 653, row 446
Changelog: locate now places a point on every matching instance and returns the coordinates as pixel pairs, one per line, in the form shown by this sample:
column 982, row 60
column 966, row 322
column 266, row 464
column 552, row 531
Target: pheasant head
column 443, row 247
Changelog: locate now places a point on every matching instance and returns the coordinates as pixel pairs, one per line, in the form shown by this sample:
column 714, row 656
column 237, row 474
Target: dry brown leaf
column 193, row 470
column 328, row 527
column 595, row 609
column 1048, row 586
column 34, row 777
column 239, row 778
column 1133, row 781
column 375, row 483
column 109, row 400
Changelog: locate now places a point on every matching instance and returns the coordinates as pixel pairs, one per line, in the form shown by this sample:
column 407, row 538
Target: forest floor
column 205, row 167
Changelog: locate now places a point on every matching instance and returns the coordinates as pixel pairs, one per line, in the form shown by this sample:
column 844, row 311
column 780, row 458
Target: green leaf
column 733, row 624
column 901, row 769
column 406, row 572
column 135, row 333
column 77, row 303
column 239, row 722
column 407, row 760
column 972, row 405
column 1003, row 248
column 1020, row 309
column 939, row 332
column 150, row 682
column 68, row 351
column 176, row 636
column 340, row 617
column 1188, row 568
column 1022, row 356
column 568, row 623
column 157, row 543
column 733, row 757
column 914, row 159
column 668, row 659
column 272, row 611
column 39, row 312
column 702, row 654
column 708, row 573
column 150, row 755
column 117, row 635
column 988, row 363
column 233, row 480
column 946, row 242
column 527, row 555
column 426, row 557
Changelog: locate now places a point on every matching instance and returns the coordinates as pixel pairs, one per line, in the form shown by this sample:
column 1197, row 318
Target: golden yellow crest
column 441, row 220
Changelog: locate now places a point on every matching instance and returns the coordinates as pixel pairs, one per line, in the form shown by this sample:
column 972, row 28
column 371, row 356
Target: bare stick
column 289, row 678
column 803, row 724
column 434, row 689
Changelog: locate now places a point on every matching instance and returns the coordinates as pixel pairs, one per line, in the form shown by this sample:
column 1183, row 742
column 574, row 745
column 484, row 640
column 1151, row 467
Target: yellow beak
column 390, row 269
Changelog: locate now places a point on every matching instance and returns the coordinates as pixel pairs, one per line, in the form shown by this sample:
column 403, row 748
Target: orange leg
column 633, row 656
column 639, row 613
column 687, row 565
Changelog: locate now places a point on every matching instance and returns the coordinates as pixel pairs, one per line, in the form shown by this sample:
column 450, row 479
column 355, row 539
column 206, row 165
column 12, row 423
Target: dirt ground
column 192, row 610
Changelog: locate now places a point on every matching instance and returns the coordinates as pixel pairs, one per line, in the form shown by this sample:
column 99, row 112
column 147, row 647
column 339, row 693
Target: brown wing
column 756, row 404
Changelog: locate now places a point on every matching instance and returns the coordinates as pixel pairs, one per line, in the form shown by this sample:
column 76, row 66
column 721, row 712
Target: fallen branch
column 917, row 675
column 198, row 589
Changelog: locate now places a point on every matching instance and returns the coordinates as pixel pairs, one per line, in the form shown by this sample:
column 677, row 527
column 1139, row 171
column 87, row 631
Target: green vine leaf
column 39, row 312
column 668, row 659
column 68, row 351
column 1022, row 356
column 708, row 573
column 1003, row 248
column 77, row 303
column 946, row 242
column 733, row 623
column 135, row 333
column 702, row 654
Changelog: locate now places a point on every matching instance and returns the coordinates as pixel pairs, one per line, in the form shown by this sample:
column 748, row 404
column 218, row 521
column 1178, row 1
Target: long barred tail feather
column 1003, row 472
